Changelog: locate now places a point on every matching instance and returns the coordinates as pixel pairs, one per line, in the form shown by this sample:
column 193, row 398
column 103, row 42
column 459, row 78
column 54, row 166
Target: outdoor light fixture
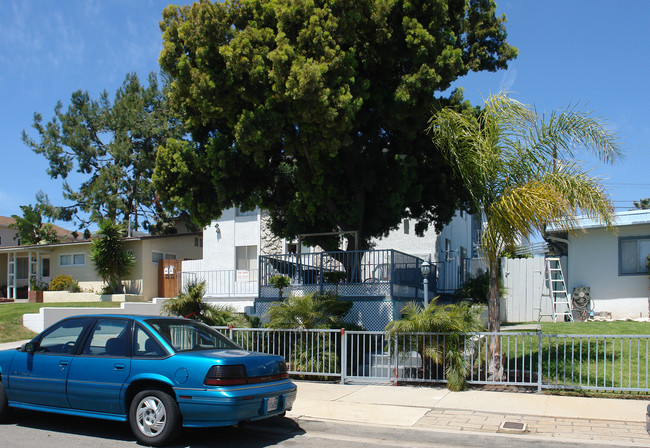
column 425, row 268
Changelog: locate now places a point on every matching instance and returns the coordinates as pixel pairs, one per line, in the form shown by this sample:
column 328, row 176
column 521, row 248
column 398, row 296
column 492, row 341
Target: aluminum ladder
column 560, row 301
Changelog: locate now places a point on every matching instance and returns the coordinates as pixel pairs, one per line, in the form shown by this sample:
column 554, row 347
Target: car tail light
column 226, row 375
column 284, row 371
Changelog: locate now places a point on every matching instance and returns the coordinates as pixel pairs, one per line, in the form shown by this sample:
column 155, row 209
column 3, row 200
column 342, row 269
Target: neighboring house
column 612, row 265
column 8, row 236
column 44, row 262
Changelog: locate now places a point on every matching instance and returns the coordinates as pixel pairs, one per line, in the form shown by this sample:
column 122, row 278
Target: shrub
column 64, row 283
column 190, row 304
column 335, row 276
column 477, row 288
column 454, row 319
column 280, row 282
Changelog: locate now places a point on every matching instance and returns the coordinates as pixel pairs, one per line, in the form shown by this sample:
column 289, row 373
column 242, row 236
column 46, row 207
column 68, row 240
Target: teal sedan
column 158, row 373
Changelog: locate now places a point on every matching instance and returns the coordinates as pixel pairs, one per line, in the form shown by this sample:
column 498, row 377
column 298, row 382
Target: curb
column 313, row 424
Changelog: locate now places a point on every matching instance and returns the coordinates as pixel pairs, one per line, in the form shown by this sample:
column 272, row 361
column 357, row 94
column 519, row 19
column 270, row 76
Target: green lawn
column 615, row 356
column 11, row 317
column 616, row 327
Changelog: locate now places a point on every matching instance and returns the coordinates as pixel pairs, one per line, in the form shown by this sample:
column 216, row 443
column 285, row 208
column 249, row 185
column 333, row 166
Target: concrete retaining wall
column 47, row 316
column 65, row 296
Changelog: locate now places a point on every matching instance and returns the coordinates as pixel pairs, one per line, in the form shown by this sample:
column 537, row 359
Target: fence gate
column 168, row 275
column 369, row 357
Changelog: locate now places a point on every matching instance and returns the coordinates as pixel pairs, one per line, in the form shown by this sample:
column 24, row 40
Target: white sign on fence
column 243, row 276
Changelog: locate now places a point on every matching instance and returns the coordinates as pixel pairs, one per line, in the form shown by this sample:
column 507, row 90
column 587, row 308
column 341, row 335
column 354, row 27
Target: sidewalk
column 618, row 422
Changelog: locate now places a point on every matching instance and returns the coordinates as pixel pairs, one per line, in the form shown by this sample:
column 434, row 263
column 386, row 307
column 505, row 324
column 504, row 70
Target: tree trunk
column 494, row 311
column 494, row 323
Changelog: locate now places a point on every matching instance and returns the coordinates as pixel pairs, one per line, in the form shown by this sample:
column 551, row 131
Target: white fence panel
column 526, row 291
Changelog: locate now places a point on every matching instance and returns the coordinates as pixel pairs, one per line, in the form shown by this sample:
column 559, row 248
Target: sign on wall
column 243, row 275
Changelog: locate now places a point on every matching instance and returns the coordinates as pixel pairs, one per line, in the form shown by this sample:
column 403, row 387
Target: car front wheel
column 154, row 417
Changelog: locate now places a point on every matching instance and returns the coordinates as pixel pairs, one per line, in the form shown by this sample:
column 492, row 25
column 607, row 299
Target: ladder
column 560, row 302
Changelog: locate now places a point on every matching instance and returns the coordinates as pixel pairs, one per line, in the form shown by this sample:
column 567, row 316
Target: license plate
column 272, row 404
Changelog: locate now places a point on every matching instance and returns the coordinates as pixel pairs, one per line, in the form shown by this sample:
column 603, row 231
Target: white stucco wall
column 594, row 262
column 219, row 247
column 458, row 231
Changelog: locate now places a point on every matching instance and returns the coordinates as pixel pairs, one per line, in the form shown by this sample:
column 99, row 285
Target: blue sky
column 589, row 52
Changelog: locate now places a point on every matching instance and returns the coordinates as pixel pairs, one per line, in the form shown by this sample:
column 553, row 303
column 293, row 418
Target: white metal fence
column 588, row 362
column 226, row 283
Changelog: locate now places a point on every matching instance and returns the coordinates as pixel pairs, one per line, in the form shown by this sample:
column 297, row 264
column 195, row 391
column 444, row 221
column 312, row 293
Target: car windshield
column 187, row 335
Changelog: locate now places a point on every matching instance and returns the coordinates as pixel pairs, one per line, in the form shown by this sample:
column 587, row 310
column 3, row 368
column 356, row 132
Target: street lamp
column 425, row 268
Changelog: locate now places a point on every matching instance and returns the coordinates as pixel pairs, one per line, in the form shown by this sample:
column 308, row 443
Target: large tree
column 112, row 144
column 30, row 227
column 315, row 110
column 520, row 170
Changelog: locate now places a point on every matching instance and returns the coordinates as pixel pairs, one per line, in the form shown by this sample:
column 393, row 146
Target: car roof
column 137, row 317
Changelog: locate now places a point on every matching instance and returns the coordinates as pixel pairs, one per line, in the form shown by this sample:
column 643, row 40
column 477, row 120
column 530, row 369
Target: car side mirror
column 29, row 347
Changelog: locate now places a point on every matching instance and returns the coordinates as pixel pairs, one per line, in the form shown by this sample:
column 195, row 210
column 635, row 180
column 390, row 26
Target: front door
column 45, row 270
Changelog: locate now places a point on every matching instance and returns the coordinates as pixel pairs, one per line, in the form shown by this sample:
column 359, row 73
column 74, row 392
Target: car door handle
column 119, row 366
column 63, row 363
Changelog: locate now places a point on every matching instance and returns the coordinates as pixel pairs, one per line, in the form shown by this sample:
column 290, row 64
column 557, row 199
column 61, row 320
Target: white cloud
column 507, row 80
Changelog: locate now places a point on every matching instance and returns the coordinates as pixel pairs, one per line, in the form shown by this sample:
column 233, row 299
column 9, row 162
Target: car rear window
column 186, row 335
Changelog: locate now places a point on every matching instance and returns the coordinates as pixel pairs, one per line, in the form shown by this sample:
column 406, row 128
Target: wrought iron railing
column 536, row 360
column 337, row 271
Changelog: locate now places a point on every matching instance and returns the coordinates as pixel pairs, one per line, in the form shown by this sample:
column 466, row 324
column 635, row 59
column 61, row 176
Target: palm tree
column 190, row 304
column 112, row 261
column 313, row 311
column 520, row 171
column 454, row 319
column 642, row 204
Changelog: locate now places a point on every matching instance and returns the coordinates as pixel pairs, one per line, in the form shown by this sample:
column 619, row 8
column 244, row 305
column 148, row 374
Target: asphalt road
column 33, row 429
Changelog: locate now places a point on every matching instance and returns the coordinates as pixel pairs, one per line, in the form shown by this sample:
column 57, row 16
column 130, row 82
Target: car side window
column 146, row 345
column 63, row 337
column 110, row 337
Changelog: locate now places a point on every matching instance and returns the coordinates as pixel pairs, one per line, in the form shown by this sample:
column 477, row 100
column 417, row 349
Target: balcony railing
column 224, row 283
column 364, row 273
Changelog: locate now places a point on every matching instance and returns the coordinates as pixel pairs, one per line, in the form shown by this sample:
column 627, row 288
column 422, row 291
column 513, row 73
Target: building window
column 45, row 267
column 633, row 255
column 22, row 268
column 72, row 260
column 447, row 249
column 198, row 242
column 246, row 257
column 292, row 248
column 157, row 256
column 406, row 226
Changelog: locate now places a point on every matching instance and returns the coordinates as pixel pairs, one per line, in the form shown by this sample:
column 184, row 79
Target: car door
column 40, row 377
column 99, row 372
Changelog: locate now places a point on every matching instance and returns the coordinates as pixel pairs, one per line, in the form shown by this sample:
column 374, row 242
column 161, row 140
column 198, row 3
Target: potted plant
column 36, row 288
column 280, row 282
